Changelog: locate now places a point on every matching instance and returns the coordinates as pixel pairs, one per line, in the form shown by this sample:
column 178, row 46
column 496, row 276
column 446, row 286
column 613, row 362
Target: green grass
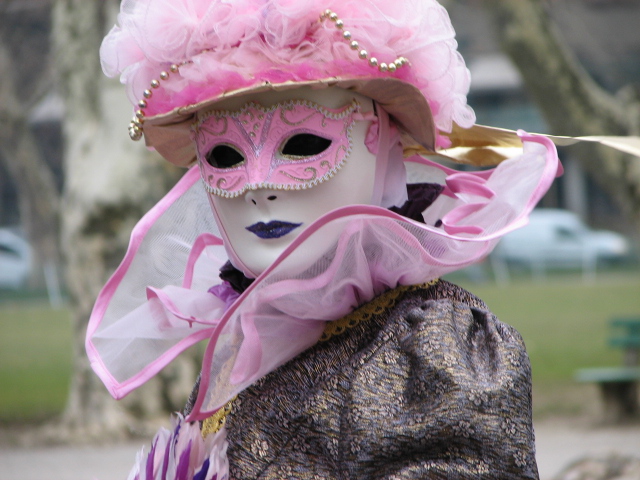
column 35, row 361
column 564, row 323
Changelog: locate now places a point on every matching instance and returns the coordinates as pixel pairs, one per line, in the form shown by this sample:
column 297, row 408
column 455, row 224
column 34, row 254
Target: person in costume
column 306, row 241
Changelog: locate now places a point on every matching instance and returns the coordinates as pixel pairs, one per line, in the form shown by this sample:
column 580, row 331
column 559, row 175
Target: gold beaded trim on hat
column 216, row 421
column 355, row 45
column 135, row 126
column 137, row 123
column 377, row 306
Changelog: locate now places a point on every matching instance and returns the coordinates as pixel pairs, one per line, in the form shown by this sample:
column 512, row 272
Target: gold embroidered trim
column 375, row 307
column 216, row 421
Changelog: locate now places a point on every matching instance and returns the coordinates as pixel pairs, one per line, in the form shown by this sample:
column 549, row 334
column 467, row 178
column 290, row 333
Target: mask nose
column 260, row 197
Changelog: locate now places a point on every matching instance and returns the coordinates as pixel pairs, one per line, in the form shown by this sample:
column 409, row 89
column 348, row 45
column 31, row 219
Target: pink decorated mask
column 292, row 145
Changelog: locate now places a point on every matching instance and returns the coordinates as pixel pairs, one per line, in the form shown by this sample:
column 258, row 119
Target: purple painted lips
column 273, row 229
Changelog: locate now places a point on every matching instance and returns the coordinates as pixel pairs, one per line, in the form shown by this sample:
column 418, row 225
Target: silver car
column 559, row 239
column 15, row 260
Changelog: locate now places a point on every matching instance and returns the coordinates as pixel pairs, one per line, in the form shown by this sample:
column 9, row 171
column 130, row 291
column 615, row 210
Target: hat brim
column 170, row 133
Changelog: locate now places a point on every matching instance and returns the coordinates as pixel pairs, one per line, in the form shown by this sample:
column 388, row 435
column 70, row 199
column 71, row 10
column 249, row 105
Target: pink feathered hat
column 180, row 56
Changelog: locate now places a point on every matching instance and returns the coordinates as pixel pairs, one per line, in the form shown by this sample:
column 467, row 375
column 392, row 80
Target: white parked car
column 559, row 239
column 15, row 260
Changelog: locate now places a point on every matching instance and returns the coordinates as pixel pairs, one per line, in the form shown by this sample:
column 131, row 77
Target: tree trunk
column 572, row 103
column 110, row 182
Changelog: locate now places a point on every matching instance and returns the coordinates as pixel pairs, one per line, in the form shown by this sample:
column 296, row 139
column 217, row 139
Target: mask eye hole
column 304, row 145
column 224, row 156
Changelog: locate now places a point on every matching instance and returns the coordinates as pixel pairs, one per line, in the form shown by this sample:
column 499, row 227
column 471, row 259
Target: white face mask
column 260, row 223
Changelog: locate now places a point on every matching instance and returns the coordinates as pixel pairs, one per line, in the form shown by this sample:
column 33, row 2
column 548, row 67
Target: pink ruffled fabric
column 223, row 46
column 137, row 329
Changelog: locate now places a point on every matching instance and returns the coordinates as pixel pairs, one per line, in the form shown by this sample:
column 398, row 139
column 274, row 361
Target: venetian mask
column 275, row 162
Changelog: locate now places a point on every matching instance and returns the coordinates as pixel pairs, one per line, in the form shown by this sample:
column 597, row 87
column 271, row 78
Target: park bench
column 619, row 385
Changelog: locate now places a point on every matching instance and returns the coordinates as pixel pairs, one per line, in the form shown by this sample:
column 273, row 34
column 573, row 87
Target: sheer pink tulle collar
column 159, row 301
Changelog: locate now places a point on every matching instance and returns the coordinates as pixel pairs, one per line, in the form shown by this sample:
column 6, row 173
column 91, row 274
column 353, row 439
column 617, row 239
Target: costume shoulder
column 429, row 385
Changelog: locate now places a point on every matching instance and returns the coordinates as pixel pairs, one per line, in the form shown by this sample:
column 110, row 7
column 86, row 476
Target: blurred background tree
column 21, row 158
column 91, row 199
column 583, row 79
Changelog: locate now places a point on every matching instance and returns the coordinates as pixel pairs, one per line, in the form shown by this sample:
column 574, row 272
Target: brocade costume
column 425, row 383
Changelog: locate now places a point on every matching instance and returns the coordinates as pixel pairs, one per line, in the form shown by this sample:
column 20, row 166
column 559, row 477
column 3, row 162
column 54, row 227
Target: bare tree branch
column 570, row 100
column 38, row 197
